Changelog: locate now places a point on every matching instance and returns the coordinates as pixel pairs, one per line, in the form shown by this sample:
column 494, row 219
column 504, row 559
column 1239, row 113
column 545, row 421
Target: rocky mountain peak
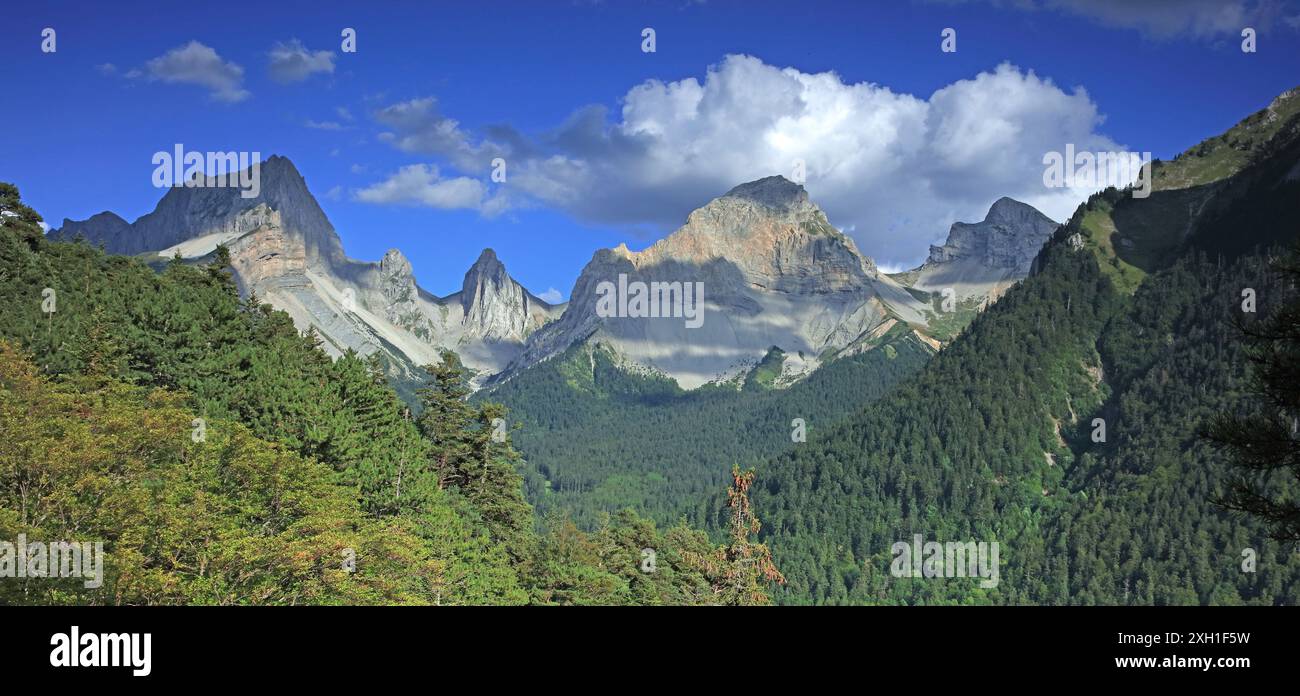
column 770, row 201
column 486, row 271
column 496, row 307
column 1009, row 211
column 101, row 228
column 488, row 257
column 395, row 277
column 775, row 192
column 1280, row 100
column 394, row 263
column 189, row 212
column 770, row 235
column 1009, row 237
column 279, row 165
column 771, row 270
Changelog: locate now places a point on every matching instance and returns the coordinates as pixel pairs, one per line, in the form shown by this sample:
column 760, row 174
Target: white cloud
column 551, row 296
column 896, row 267
column 418, row 127
column 893, row 170
column 197, row 64
column 293, row 62
column 324, row 125
column 423, row 185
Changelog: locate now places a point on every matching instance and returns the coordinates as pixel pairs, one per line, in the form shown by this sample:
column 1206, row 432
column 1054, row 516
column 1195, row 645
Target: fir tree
column 1265, row 445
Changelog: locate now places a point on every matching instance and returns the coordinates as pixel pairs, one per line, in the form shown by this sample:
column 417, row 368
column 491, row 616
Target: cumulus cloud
column 417, row 126
column 551, row 296
column 293, row 62
column 893, row 170
column 423, row 185
column 197, row 64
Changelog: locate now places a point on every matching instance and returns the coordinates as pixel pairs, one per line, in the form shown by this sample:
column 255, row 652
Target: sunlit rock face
column 284, row 249
column 760, row 268
column 773, row 270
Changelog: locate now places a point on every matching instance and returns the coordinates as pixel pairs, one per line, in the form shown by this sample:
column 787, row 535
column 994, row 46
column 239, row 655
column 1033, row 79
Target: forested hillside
column 1063, row 423
column 221, row 457
column 600, row 437
column 997, row 439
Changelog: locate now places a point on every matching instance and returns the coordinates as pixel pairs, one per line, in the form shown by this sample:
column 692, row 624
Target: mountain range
column 777, row 277
column 284, row 250
column 1068, row 421
column 1065, row 422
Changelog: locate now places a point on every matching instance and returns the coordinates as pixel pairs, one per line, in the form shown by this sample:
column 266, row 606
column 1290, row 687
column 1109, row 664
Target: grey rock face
column 776, row 238
column 188, row 212
column 401, row 303
column 1008, row 238
column 774, row 272
column 775, row 192
column 285, row 250
column 103, row 229
column 981, row 260
column 496, row 308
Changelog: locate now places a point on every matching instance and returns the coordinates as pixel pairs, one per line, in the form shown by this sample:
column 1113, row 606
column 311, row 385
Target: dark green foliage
column 1127, row 319
column 970, row 451
column 1264, row 445
column 471, row 455
column 131, row 364
column 599, row 439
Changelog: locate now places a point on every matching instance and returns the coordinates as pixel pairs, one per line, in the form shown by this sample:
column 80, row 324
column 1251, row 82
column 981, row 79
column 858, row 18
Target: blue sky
column 396, row 139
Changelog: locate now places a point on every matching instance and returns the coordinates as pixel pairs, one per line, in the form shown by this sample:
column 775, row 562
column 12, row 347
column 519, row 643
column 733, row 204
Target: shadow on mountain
column 1230, row 217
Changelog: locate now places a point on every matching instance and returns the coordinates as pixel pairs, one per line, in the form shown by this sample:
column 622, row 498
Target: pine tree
column 743, row 568
column 1265, row 445
column 446, row 419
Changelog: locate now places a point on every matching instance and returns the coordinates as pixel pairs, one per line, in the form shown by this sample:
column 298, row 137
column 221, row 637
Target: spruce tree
column 446, row 419
column 1264, row 445
column 748, row 566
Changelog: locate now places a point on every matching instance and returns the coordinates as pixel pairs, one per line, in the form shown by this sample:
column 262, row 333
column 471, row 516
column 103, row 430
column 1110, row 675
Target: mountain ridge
column 776, row 275
column 284, row 249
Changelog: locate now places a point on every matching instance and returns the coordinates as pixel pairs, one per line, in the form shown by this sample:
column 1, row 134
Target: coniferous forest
column 651, row 304
column 1074, row 421
column 226, row 460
